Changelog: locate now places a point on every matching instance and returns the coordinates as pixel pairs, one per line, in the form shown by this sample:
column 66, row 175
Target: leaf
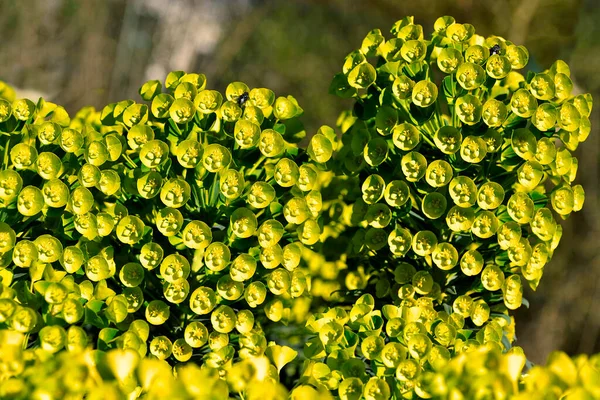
column 6, row 277
column 106, row 117
column 280, row 355
column 279, row 128
column 275, row 208
column 87, row 289
column 299, row 110
column 117, row 310
column 121, row 362
column 102, row 291
column 105, row 337
column 294, row 130
column 92, row 318
column 95, row 305
column 36, row 271
column 340, row 87
column 313, row 349
column 41, row 287
column 140, row 328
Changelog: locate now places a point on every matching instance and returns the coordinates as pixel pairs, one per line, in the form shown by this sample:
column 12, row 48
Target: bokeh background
column 92, row 52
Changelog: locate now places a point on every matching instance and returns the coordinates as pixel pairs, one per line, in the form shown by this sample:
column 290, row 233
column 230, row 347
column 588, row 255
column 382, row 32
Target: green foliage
column 187, row 247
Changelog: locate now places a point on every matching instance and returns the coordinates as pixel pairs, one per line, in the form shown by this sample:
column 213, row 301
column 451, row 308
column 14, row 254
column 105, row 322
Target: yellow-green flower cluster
column 476, row 372
column 173, row 226
column 487, row 373
column 174, row 247
column 382, row 353
column 463, row 165
column 123, row 373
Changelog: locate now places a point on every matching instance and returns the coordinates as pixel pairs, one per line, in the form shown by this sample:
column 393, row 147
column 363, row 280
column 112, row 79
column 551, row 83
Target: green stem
column 256, row 165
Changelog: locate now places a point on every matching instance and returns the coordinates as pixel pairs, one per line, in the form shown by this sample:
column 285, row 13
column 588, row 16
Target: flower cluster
column 185, row 246
column 173, row 228
column 463, row 164
column 119, row 374
column 380, row 353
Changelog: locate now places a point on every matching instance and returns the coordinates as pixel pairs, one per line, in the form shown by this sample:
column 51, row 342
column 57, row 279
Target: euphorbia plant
column 190, row 228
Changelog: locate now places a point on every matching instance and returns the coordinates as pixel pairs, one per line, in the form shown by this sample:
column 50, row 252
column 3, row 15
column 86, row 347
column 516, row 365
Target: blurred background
column 92, row 52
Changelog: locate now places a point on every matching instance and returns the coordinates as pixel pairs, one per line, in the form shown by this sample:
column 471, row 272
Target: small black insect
column 242, row 99
column 495, row 49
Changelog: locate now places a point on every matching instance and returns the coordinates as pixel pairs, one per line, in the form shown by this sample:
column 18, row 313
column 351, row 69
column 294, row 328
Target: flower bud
column 498, row 66
column 130, row 229
column 23, row 156
column 151, row 255
column 208, row 101
column 414, row 166
column 424, row 93
column 445, row 256
column 470, row 76
column 471, row 263
column 485, row 225
column 229, row 289
column 439, row 173
column 460, row 219
column 372, row 189
column 434, row 205
column 448, row 139
column 138, row 136
column 217, row 256
column 406, row 136
column 402, row 87
column 563, row 200
column 203, row 300
column 286, row 173
column 196, row 334
column 468, row 109
column 494, row 113
column 449, row 60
